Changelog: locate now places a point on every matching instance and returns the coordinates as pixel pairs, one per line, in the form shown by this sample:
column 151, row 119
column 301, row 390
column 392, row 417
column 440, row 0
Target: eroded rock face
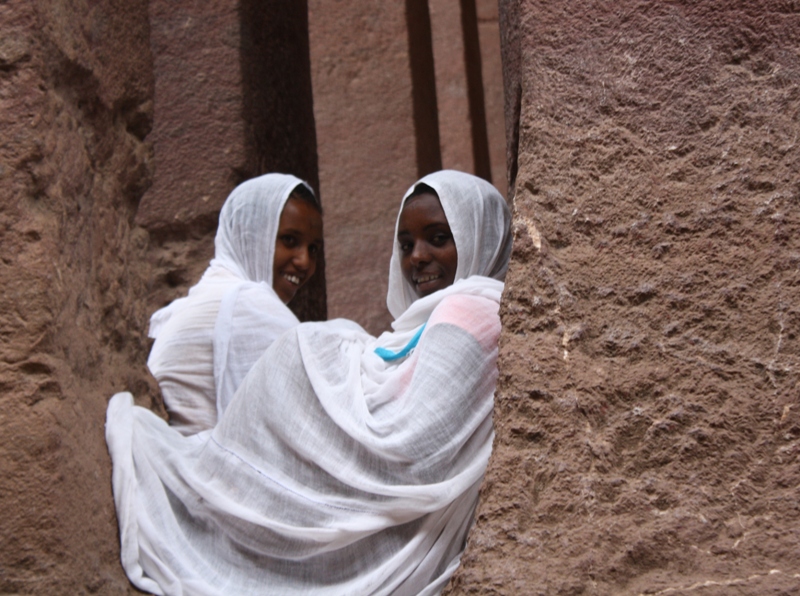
column 76, row 89
column 647, row 417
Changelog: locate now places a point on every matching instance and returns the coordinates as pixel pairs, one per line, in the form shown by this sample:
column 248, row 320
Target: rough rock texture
column 647, row 416
column 469, row 87
column 75, row 106
column 199, row 133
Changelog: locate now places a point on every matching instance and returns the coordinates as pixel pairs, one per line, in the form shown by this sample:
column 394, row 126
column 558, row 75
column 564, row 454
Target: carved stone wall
column 647, row 417
column 76, row 91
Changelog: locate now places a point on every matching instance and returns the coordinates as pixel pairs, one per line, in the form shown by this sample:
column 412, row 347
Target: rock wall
column 647, row 416
column 75, row 106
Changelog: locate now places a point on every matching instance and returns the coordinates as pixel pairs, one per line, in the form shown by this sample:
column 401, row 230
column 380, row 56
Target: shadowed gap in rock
column 423, row 87
column 477, row 107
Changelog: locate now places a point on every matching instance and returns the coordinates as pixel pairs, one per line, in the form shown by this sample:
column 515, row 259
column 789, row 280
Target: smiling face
column 428, row 251
column 297, row 247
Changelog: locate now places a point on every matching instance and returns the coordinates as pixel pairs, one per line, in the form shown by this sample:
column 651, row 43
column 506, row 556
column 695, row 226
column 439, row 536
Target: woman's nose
column 419, row 254
column 302, row 258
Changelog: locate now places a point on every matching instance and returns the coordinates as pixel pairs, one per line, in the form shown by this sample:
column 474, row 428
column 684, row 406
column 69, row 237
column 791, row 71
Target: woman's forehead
column 420, row 211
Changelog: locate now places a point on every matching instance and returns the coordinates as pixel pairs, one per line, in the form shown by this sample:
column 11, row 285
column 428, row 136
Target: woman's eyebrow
column 435, row 224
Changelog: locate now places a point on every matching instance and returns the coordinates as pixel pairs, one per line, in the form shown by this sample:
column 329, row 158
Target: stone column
column 452, row 85
column 647, row 413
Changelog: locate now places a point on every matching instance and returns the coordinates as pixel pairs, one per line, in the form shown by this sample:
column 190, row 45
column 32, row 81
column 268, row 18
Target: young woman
column 266, row 248
column 345, row 464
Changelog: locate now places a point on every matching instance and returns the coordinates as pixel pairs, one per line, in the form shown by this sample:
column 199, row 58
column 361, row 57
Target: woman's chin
column 286, row 294
column 428, row 288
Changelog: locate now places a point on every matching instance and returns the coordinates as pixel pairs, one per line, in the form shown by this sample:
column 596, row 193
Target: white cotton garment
column 332, row 472
column 206, row 342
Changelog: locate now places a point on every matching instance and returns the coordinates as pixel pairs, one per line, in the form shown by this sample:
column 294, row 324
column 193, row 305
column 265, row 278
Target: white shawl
column 206, row 342
column 332, row 471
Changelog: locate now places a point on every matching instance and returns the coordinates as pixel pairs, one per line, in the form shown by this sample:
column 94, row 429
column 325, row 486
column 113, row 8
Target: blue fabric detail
column 388, row 355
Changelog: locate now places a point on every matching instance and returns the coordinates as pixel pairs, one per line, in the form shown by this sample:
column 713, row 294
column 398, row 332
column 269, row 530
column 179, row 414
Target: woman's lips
column 293, row 279
column 426, row 279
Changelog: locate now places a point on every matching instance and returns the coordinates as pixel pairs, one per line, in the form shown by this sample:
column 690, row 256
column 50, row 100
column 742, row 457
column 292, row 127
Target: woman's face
column 297, row 247
column 428, row 251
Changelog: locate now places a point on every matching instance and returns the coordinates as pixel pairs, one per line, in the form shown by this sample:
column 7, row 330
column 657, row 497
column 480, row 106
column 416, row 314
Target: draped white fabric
column 206, row 342
column 332, row 471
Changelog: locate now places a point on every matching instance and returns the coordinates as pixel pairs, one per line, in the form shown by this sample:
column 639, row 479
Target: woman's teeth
column 292, row 278
column 427, row 278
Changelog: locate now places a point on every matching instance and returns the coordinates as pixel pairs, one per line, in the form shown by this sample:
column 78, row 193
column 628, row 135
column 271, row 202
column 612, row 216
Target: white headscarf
column 208, row 341
column 480, row 222
column 248, row 225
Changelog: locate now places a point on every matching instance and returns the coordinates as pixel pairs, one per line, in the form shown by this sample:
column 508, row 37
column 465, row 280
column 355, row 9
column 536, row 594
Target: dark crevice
column 511, row 58
column 475, row 95
column 423, row 87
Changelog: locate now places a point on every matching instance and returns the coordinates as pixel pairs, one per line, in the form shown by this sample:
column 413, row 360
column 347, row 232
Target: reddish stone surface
column 452, row 94
column 199, row 133
column 471, row 127
column 647, row 416
column 75, row 104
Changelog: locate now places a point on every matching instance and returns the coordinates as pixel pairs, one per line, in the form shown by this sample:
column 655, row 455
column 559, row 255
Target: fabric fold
column 359, row 495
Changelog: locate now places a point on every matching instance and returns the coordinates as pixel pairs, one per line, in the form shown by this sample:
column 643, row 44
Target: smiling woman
column 444, row 216
column 429, row 255
column 297, row 246
column 266, row 248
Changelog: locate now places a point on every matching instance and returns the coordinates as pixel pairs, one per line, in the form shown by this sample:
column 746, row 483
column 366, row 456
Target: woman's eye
column 405, row 247
column 313, row 249
column 289, row 241
column 440, row 239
